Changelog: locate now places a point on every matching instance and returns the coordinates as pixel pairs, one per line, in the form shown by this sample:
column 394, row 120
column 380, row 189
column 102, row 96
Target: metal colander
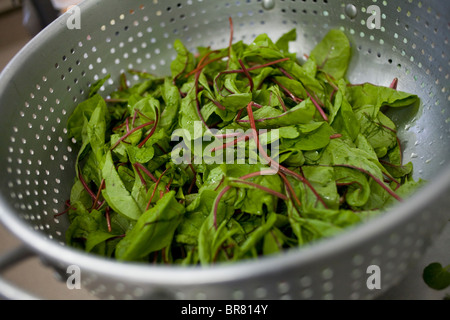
column 52, row 74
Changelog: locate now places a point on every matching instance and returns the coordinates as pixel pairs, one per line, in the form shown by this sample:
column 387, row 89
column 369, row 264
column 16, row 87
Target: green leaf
column 332, row 54
column 96, row 238
column 309, row 230
column 79, row 194
column 306, row 75
column 317, row 138
column 436, row 276
column 82, row 114
column 292, row 85
column 84, row 224
column 356, row 185
column 324, row 182
column 189, row 228
column 184, row 61
column 235, row 98
column 263, row 47
column 283, row 42
column 141, row 155
column 269, row 117
column 147, row 108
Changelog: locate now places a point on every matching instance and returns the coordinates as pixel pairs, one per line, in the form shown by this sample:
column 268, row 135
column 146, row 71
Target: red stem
column 216, row 204
column 268, row 190
column 291, row 190
column 201, row 65
column 343, row 184
column 97, row 197
column 265, row 64
column 247, row 74
column 290, row 94
column 137, row 165
column 145, row 170
column 335, row 136
column 134, row 118
column 258, row 173
column 318, row 107
column 286, row 73
column 140, row 177
column 169, row 184
column 231, row 143
column 394, row 84
column 85, row 186
column 119, row 126
column 69, row 207
column 282, row 103
column 218, row 105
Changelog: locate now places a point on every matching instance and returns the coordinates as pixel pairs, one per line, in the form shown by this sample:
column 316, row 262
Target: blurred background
column 21, row 20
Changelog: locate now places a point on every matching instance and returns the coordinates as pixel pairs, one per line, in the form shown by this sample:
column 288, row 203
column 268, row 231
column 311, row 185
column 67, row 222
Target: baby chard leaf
column 153, row 231
column 115, row 193
column 183, row 63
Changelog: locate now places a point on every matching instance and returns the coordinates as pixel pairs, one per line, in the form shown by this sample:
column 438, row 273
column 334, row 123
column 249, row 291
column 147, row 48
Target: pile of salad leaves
column 339, row 157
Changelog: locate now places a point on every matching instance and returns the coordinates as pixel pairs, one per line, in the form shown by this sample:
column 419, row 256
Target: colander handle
column 8, row 290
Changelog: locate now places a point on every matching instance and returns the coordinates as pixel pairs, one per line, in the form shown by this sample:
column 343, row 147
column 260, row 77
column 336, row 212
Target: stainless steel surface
column 42, row 85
